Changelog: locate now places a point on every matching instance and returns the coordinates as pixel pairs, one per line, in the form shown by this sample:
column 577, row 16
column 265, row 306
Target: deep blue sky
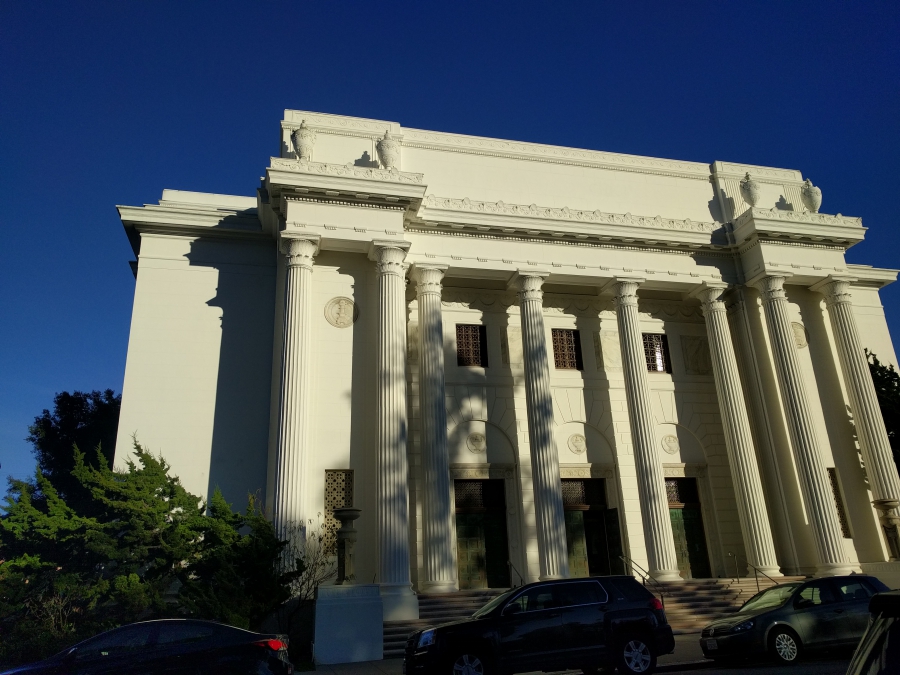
column 107, row 103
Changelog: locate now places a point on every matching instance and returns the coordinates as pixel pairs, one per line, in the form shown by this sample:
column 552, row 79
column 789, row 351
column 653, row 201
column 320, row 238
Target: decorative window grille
column 656, row 353
column 682, row 491
column 672, row 491
column 338, row 494
column 566, row 349
column 471, row 345
column 479, row 495
column 573, row 493
column 839, row 503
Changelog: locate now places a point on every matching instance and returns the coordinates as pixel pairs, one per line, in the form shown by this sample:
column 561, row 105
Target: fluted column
column 391, row 433
column 873, row 439
column 817, row 495
column 290, row 472
column 751, row 503
column 440, row 574
column 651, row 482
column 548, row 506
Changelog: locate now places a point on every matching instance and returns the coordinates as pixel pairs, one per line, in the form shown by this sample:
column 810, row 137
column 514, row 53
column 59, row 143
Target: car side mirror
column 512, row 609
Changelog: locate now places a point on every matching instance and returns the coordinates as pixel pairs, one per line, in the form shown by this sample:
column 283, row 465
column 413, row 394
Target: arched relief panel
column 588, row 406
column 580, row 443
column 677, row 444
column 695, row 411
column 467, row 403
column 478, row 442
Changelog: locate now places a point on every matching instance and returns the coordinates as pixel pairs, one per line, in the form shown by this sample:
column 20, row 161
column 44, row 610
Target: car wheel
column 635, row 656
column 468, row 664
column 785, row 646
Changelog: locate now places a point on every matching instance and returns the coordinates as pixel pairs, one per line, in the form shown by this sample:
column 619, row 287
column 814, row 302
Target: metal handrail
column 756, row 570
column 645, row 577
column 513, row 567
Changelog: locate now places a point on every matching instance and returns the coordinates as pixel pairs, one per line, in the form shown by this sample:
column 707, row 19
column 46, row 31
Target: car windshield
column 493, row 604
column 772, row 597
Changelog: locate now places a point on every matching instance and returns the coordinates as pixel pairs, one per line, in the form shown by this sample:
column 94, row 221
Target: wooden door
column 576, row 544
column 482, row 546
column 686, row 515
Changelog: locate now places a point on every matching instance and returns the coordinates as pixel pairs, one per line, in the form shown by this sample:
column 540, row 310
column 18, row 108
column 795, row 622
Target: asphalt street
column 810, row 667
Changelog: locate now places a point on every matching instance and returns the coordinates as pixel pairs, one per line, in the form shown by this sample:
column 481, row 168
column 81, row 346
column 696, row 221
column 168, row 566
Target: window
column 185, row 632
column 127, row 639
column 656, row 353
column 533, row 600
column 839, row 502
column 854, row 591
column 566, row 349
column 338, row 494
column 814, row 595
column 580, row 593
column 471, row 345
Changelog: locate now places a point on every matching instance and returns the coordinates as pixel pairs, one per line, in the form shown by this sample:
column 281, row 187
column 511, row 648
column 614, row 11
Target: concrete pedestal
column 349, row 624
column 400, row 602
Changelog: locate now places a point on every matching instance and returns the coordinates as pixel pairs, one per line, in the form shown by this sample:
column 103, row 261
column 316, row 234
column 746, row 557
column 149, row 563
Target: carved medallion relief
column 341, row 312
column 577, row 444
column 696, row 355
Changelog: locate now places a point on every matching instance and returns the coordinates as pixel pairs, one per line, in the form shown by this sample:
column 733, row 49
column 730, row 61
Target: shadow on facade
column 245, row 295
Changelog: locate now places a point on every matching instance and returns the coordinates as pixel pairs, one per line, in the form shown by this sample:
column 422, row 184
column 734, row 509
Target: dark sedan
column 170, row 647
column 787, row 620
column 550, row 625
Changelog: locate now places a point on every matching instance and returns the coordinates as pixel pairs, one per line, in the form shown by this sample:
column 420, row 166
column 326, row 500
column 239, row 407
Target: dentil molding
column 392, row 175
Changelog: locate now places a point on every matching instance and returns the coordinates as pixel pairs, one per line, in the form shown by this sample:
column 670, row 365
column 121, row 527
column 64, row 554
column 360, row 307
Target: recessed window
column 471, row 345
column 656, row 353
column 567, row 349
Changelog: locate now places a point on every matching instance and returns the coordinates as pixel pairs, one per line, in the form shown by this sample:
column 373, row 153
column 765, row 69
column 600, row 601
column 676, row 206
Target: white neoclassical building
column 520, row 361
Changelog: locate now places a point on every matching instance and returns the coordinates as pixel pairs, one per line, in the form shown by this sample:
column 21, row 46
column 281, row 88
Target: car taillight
column 656, row 604
column 274, row 645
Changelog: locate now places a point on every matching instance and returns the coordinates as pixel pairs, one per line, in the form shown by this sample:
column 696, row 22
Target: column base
column 666, row 575
column 400, row 602
column 439, row 587
column 836, row 569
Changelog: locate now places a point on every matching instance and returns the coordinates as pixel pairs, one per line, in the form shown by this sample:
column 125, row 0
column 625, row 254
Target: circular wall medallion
column 476, row 443
column 577, row 444
column 341, row 312
column 670, row 444
column 801, row 337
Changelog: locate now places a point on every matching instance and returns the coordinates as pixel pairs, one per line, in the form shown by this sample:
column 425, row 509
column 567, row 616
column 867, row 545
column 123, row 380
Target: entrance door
column 687, row 528
column 481, row 541
column 593, row 538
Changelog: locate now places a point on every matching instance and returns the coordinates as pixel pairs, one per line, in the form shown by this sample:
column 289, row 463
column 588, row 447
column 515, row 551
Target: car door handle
column 553, row 615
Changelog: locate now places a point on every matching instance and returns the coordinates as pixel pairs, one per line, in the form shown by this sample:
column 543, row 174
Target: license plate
column 712, row 644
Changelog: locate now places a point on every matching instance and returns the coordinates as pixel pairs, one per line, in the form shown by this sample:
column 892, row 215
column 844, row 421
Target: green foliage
column 83, row 419
column 135, row 545
column 887, row 387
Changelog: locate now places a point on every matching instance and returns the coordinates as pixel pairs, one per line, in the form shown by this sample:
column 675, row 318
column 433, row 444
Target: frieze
column 566, row 214
column 587, row 471
column 347, row 171
column 481, row 472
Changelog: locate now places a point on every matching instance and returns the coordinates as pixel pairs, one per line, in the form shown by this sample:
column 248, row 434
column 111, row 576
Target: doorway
column 481, row 540
column 593, row 537
column 687, row 528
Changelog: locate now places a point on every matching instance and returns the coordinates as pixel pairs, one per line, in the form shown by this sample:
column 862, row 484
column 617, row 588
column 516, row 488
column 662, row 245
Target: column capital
column 770, row 286
column 428, row 278
column 835, row 288
column 528, row 283
column 389, row 255
column 624, row 289
column 710, row 295
column 299, row 251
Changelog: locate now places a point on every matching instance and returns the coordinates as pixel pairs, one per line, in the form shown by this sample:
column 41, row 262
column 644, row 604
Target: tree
column 887, row 387
column 137, row 545
column 87, row 420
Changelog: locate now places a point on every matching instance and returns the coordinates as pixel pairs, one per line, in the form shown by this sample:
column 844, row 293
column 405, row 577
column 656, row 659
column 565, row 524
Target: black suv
column 586, row 624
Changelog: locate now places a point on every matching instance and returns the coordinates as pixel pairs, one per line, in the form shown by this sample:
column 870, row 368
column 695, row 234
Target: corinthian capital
column 835, row 289
column 428, row 279
column 299, row 252
column 625, row 291
column 710, row 296
column 528, row 285
column 770, row 287
column 389, row 257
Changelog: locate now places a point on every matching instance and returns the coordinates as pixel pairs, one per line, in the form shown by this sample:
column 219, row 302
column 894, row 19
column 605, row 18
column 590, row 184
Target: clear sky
column 107, row 103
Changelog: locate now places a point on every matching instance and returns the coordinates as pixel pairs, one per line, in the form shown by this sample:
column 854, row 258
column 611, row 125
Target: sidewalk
column 687, row 650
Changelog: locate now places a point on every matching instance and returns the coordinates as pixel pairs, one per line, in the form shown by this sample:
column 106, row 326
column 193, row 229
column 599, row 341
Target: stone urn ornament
column 811, row 195
column 304, row 140
column 389, row 151
column 750, row 191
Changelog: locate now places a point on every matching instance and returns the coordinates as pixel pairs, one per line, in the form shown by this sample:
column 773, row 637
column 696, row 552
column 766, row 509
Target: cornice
column 186, row 218
column 432, row 205
column 346, row 171
column 805, row 217
column 815, row 228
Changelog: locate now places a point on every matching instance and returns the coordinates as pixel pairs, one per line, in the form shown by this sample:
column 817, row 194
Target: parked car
column 879, row 651
column 789, row 619
column 550, row 625
column 172, row 647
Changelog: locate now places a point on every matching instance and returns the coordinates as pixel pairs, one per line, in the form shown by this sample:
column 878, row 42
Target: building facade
column 520, row 361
